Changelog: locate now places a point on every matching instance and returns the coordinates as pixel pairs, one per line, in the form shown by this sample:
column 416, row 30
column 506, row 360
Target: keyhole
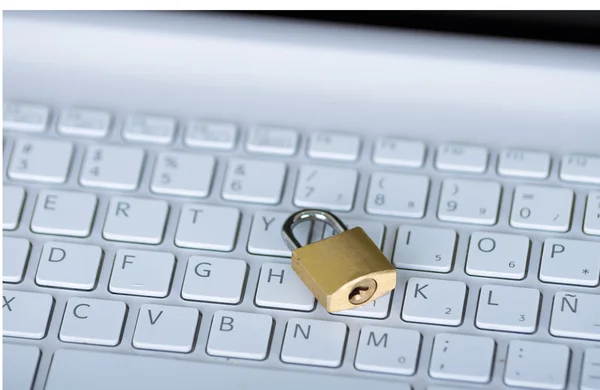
column 362, row 292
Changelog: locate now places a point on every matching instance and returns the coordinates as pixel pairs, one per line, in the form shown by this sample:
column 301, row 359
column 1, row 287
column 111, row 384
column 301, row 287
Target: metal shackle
column 308, row 215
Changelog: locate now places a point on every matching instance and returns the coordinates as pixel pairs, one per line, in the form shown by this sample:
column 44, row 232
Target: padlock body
column 331, row 268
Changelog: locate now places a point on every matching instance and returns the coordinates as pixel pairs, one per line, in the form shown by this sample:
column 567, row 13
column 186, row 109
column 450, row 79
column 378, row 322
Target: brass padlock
column 343, row 271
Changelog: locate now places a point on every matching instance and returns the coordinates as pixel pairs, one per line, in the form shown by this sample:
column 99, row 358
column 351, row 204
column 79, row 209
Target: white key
column 93, row 321
column 240, row 335
column 375, row 230
column 508, row 309
column 388, row 350
column 144, row 273
column 135, row 220
column 424, row 248
column 15, row 252
column 326, row 187
column 524, row 163
column 40, row 160
column 12, row 205
column 165, row 328
column 265, row 234
column 379, row 308
column 279, row 287
column 207, row 227
column 580, row 168
column 469, row 201
column 314, row 342
column 25, row 314
column 497, row 255
column 67, row 265
column 245, row 181
column 19, row 365
column 542, row 208
column 462, row 358
column 537, row 365
column 183, row 174
column 397, row 194
column 591, row 224
column 272, row 140
column 570, row 262
column 333, row 146
column 64, row 213
column 590, row 373
column 84, row 122
column 211, row 134
column 576, row 315
column 434, row 301
column 112, row 167
column 213, row 279
column 29, row 117
column 399, row 152
column 461, row 158
column 149, row 128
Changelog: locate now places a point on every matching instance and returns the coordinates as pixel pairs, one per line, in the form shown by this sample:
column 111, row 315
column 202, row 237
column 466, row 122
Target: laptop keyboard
column 158, row 241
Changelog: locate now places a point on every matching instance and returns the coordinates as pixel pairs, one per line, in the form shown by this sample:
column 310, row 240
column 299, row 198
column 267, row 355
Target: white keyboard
column 158, row 242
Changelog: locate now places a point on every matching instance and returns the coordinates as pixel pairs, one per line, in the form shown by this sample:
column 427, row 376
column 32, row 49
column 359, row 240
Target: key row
column 306, row 341
column 283, row 141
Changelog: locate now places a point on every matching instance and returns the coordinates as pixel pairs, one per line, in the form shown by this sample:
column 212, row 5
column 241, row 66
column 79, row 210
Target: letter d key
column 344, row 271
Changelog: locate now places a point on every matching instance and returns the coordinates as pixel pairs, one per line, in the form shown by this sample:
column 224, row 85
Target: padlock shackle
column 308, row 215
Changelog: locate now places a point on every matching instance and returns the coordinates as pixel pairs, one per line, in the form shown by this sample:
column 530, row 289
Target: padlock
column 344, row 271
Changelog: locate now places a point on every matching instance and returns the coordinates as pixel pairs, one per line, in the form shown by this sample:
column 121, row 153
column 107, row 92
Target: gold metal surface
column 344, row 271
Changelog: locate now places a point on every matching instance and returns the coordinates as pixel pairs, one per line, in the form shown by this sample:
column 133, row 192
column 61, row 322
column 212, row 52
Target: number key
column 542, row 208
column 112, row 167
column 397, row 194
column 254, row 181
column 326, row 187
column 469, row 201
column 183, row 174
column 41, row 160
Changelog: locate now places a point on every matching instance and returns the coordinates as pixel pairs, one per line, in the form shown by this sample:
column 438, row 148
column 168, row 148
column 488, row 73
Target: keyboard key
column 524, row 366
column 265, row 234
column 166, row 328
column 498, row 255
column 67, row 265
column 462, row 358
column 272, row 140
column 40, row 160
column 570, row 262
column 424, row 248
column 27, row 117
column 279, row 287
column 388, row 350
column 461, row 158
column 399, row 152
column 469, row 201
column 508, row 309
column 64, row 213
column 213, row 279
column 397, row 194
column 230, row 331
column 19, row 366
column 25, row 314
column 576, row 315
column 326, row 187
column 245, row 181
column 93, row 321
column 314, row 342
column 374, row 230
column 135, row 220
column 524, row 163
column 590, row 373
column 144, row 273
column 112, row 167
column 207, row 227
column 84, row 122
column 379, row 308
column 183, row 174
column 12, row 205
column 211, row 135
column 149, row 128
column 434, row 301
column 542, row 208
column 591, row 225
column 580, row 168
column 333, row 146
column 15, row 252
column 131, row 372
